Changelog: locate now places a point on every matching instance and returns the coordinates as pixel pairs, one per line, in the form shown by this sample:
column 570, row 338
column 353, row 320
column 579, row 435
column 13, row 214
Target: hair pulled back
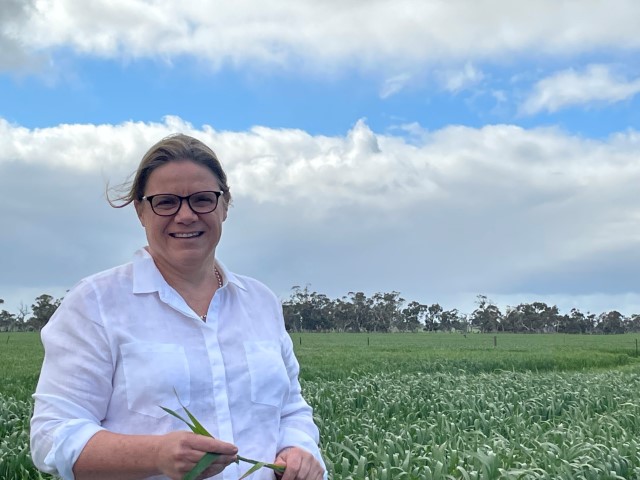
column 176, row 147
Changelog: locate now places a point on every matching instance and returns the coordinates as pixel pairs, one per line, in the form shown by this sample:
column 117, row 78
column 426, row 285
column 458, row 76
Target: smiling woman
column 183, row 240
column 175, row 322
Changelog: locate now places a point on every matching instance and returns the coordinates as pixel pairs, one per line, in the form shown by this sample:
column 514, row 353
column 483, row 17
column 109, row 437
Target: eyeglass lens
column 200, row 202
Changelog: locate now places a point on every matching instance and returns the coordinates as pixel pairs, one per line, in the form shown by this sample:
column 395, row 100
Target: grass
column 486, row 426
column 337, row 356
column 430, row 406
column 21, row 356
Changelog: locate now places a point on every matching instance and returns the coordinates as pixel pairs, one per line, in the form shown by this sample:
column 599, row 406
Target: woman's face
column 185, row 240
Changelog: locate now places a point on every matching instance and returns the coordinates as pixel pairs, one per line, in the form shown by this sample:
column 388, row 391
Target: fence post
column 495, row 341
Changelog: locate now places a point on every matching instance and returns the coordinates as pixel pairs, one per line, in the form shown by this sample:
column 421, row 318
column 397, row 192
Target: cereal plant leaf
column 464, row 473
column 348, row 450
column 257, row 466
column 272, row 466
column 171, row 412
column 197, row 426
column 209, row 458
column 275, row 468
column 206, row 460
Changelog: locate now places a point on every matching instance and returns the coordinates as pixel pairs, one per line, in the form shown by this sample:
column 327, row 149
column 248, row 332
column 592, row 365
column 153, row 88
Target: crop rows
column 431, row 407
column 488, row 426
column 448, row 426
column 15, row 462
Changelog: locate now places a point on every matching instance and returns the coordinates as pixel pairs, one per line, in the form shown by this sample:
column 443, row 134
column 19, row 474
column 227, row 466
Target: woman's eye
column 166, row 203
column 202, row 200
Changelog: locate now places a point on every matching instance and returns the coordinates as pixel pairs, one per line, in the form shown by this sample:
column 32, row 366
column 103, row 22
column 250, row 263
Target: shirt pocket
column 269, row 379
column 154, row 373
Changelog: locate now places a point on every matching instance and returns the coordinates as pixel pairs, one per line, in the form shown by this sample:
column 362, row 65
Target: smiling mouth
column 186, row 235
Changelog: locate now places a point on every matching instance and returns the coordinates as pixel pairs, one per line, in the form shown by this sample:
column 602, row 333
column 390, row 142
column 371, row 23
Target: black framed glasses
column 167, row 204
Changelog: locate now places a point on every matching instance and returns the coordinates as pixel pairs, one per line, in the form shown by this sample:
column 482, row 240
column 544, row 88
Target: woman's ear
column 225, row 210
column 139, row 210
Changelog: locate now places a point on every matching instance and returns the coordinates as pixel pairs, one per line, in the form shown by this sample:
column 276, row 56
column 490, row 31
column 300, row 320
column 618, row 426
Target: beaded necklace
column 219, row 277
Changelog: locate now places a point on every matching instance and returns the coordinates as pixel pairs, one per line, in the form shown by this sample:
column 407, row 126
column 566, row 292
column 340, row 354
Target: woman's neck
column 196, row 285
column 187, row 276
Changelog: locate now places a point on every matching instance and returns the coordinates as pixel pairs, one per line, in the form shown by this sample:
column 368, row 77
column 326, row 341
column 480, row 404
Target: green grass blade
column 197, row 426
column 171, row 412
column 350, row 451
column 206, row 460
column 257, row 466
column 272, row 466
column 209, row 458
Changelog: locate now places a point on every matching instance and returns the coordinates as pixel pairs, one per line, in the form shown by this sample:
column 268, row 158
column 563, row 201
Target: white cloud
column 596, row 84
column 394, row 84
column 497, row 210
column 327, row 36
column 456, row 80
column 14, row 53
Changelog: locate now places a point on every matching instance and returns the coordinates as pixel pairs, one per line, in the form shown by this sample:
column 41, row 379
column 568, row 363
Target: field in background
column 431, row 406
column 339, row 355
column 20, row 359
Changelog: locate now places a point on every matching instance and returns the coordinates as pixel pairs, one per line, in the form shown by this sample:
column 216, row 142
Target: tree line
column 310, row 311
column 306, row 310
column 29, row 319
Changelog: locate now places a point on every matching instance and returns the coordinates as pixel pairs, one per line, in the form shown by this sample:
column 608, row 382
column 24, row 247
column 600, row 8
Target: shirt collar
column 147, row 278
column 230, row 277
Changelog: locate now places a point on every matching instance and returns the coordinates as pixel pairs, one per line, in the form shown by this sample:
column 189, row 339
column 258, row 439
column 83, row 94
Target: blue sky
column 439, row 149
column 109, row 91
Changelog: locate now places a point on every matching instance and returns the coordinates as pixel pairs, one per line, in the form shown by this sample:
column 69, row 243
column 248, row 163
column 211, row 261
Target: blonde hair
column 177, row 147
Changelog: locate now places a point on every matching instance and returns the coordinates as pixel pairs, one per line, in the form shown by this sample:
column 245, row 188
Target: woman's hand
column 300, row 464
column 178, row 453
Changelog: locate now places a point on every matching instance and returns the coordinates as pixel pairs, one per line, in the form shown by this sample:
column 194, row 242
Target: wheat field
column 431, row 406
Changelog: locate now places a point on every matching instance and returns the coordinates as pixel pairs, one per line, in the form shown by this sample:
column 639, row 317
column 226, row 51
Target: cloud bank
column 325, row 36
column 596, row 84
column 499, row 210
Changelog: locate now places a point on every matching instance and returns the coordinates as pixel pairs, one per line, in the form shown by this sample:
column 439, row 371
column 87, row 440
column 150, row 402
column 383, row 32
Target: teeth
column 186, row 235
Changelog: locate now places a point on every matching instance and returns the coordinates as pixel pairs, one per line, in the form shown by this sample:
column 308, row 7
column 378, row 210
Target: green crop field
column 431, row 406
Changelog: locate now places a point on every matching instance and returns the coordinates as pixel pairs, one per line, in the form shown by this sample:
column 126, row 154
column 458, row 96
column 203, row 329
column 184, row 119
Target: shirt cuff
column 290, row 437
column 69, row 441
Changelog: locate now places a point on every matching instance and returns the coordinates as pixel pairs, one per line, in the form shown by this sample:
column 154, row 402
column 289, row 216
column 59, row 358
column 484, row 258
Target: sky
column 443, row 150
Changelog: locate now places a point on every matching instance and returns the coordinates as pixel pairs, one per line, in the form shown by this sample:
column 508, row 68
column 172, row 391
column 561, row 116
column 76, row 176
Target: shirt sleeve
column 75, row 384
column 297, row 428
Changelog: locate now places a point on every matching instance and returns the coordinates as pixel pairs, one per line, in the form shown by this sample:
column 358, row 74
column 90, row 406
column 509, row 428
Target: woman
column 172, row 326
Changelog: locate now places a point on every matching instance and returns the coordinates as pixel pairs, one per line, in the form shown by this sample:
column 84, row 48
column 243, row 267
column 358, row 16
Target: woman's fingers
column 179, row 452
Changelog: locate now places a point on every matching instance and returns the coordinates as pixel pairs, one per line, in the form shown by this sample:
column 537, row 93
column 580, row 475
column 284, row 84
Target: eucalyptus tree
column 42, row 310
column 414, row 315
column 611, row 322
column 487, row 317
column 7, row 321
column 386, row 312
column 307, row 310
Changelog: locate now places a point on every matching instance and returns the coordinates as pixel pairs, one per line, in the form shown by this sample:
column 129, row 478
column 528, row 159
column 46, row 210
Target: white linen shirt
column 123, row 341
